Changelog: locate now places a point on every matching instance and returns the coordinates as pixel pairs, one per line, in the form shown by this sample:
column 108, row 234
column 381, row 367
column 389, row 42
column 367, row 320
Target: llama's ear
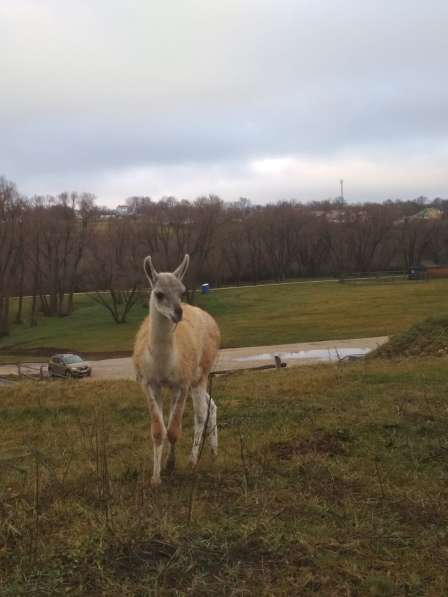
column 182, row 269
column 150, row 271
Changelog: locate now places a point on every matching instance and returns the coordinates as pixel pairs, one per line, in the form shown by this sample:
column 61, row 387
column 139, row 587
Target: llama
column 175, row 348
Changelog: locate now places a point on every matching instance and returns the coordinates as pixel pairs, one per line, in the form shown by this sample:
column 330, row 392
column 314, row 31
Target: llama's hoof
column 193, row 461
column 155, row 482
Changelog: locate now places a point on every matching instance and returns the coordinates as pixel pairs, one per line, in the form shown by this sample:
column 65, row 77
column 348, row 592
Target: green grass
column 330, row 481
column 428, row 337
column 89, row 329
column 310, row 312
column 256, row 316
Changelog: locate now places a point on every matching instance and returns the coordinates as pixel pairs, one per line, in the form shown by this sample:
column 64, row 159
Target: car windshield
column 72, row 358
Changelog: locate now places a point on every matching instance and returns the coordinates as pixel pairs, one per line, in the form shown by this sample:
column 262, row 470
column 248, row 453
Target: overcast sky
column 266, row 99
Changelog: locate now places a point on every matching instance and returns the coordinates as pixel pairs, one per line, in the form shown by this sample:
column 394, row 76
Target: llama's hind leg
column 158, row 430
column 205, row 413
column 212, row 428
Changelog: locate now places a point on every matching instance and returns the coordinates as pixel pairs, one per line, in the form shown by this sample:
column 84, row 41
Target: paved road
column 303, row 353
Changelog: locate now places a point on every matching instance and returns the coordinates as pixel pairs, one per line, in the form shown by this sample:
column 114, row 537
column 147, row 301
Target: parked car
column 68, row 365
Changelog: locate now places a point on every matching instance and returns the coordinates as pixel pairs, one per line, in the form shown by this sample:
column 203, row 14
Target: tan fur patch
column 157, row 431
column 196, row 340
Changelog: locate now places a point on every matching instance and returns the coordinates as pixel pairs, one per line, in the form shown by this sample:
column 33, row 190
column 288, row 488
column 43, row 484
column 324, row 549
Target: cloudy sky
column 267, row 99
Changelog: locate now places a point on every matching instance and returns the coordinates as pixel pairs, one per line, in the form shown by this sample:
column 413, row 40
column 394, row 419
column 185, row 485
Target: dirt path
column 302, row 353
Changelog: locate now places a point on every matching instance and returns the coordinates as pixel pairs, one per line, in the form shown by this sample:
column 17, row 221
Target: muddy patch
column 330, row 443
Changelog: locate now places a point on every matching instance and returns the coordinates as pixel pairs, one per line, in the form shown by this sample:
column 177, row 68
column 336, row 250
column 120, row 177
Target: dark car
column 68, row 365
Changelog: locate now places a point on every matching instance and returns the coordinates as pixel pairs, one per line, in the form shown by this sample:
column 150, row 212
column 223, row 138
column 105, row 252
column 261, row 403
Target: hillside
column 425, row 338
column 330, row 481
column 256, row 316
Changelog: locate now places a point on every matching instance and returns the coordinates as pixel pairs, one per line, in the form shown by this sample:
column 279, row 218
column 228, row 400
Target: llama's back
column 197, row 341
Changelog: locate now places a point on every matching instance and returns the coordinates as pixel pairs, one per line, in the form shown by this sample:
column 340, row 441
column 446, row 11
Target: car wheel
column 50, row 373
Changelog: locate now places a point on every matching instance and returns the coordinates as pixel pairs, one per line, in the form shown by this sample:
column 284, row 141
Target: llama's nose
column 178, row 313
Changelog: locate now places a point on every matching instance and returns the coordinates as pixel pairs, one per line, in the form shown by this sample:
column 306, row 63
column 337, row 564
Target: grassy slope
column 428, row 337
column 309, row 312
column 257, row 316
column 89, row 328
column 330, row 481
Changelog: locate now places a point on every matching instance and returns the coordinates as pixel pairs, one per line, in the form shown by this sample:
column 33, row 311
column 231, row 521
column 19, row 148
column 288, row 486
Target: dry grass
column 330, row 481
column 425, row 338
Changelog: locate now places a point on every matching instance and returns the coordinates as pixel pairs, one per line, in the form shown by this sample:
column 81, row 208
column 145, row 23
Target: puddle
column 321, row 354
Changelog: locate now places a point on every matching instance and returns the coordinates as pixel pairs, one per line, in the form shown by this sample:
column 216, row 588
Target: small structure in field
column 422, row 271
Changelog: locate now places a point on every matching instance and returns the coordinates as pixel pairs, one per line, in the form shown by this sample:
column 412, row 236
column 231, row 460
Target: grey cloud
column 110, row 86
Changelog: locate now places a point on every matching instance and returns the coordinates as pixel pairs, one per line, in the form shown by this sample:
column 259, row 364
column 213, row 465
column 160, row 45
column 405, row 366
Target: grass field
column 330, row 481
column 261, row 315
column 428, row 337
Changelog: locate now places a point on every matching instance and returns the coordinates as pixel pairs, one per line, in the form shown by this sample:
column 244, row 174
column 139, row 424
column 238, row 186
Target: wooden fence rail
column 31, row 370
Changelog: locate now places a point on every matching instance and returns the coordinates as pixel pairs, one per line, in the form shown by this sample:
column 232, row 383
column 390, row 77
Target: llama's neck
column 162, row 338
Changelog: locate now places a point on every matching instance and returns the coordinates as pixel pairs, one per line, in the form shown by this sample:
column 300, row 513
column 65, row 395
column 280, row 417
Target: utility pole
column 342, row 188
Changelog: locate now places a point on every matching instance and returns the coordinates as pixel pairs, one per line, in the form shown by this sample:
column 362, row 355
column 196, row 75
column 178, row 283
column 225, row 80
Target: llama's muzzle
column 177, row 314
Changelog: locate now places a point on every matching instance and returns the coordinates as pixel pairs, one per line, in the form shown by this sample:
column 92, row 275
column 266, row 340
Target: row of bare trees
column 52, row 247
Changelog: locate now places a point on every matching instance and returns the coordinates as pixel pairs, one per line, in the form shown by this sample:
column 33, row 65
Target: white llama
column 176, row 347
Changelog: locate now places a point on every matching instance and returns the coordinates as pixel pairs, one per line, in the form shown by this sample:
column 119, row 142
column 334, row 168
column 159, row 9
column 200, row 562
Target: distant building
column 428, row 213
column 342, row 215
column 121, row 210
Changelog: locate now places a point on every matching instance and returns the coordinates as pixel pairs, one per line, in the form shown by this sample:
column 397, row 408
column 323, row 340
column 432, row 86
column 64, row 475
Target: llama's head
column 167, row 289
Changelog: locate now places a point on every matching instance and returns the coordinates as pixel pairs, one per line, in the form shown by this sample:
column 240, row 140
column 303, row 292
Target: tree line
column 54, row 246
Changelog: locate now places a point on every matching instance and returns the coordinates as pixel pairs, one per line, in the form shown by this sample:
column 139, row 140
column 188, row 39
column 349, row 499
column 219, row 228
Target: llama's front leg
column 205, row 411
column 158, row 430
column 174, row 429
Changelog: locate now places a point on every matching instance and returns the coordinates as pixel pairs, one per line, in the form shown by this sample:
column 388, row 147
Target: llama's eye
column 160, row 296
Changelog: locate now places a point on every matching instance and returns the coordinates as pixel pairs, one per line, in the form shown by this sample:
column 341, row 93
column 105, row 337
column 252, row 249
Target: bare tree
column 413, row 237
column 255, row 246
column 366, row 231
column 113, row 269
column 234, row 244
column 280, row 232
column 11, row 219
column 51, row 247
column 87, row 215
column 312, row 251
